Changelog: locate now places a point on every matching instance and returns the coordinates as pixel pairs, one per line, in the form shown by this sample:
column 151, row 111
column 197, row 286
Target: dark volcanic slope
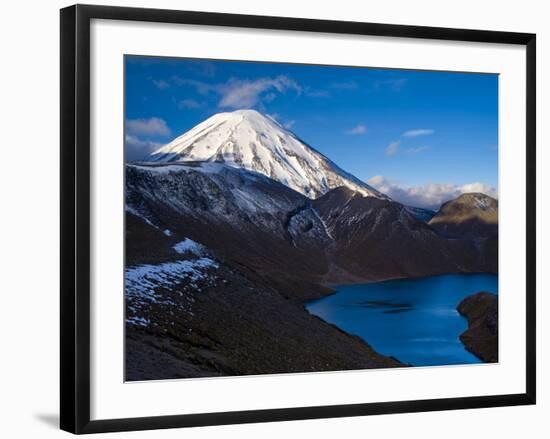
column 258, row 224
column 219, row 261
column 481, row 337
column 380, row 239
column 229, row 300
column 224, row 324
column 471, row 215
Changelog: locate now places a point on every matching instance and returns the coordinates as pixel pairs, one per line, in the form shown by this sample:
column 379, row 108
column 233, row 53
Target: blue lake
column 413, row 320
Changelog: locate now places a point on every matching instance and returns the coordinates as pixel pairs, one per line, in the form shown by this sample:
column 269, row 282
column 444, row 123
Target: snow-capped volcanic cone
column 250, row 140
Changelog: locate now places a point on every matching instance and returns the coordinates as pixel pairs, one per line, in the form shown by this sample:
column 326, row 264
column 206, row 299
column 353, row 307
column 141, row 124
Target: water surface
column 414, row 320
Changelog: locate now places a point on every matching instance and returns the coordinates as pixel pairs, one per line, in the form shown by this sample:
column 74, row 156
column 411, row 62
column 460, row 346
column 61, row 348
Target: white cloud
column 201, row 87
column 137, row 149
column 237, row 93
column 190, row 104
column 418, row 149
column 393, row 148
column 154, row 126
column 289, row 124
column 479, row 187
column 356, row 130
column 161, row 84
column 429, row 196
column 418, row 132
column 243, row 93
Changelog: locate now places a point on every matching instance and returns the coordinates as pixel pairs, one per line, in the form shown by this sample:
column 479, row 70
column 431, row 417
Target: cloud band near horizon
column 428, row 196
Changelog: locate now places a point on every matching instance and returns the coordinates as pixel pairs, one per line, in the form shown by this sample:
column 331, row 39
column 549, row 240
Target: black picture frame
column 75, row 217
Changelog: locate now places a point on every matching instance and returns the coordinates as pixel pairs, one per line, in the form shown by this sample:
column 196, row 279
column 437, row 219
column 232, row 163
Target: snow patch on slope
column 189, row 246
column 134, row 211
column 325, row 227
column 143, row 280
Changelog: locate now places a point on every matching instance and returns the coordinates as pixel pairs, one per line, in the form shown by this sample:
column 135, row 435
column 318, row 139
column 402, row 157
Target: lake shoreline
column 387, row 310
column 481, row 337
column 392, row 278
column 331, row 286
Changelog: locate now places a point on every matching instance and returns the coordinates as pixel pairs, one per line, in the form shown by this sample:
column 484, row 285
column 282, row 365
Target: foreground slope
column 219, row 263
column 214, row 320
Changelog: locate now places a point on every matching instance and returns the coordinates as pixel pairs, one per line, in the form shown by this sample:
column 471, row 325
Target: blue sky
column 403, row 130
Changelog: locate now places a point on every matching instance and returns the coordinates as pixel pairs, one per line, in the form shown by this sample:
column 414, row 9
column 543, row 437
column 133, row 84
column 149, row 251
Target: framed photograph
column 268, row 218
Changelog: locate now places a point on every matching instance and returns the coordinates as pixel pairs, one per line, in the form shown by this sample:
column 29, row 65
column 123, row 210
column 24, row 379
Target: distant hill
column 472, row 215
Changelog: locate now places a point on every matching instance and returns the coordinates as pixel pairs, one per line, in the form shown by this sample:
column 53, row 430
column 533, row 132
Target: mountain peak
column 471, row 200
column 250, row 140
column 472, row 215
column 243, row 114
column 248, row 112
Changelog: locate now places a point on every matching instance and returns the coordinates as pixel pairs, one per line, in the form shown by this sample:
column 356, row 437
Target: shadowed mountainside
column 377, row 239
column 220, row 261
